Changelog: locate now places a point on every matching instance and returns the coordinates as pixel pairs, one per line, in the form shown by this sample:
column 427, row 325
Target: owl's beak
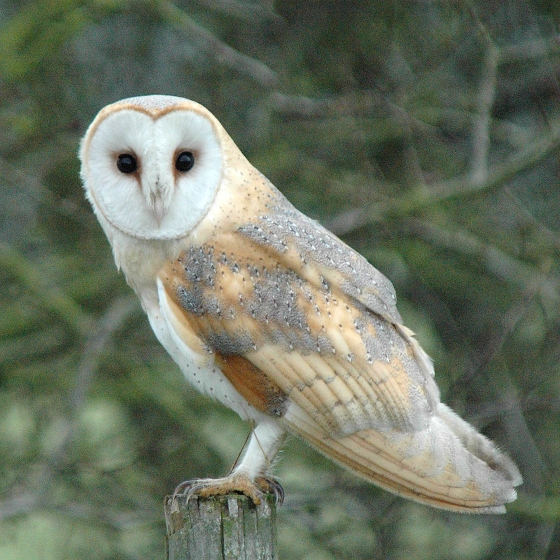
column 157, row 206
column 159, row 209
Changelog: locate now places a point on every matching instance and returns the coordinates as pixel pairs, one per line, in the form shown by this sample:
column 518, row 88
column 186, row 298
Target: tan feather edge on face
column 154, row 111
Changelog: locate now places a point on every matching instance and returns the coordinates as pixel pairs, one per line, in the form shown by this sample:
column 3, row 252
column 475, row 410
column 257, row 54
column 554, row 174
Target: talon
column 180, row 489
column 233, row 484
column 270, row 485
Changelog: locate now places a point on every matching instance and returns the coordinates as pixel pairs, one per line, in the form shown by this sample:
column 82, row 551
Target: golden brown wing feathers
column 306, row 330
column 346, row 366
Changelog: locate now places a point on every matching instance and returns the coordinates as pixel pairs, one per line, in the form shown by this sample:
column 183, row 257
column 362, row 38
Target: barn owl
column 266, row 311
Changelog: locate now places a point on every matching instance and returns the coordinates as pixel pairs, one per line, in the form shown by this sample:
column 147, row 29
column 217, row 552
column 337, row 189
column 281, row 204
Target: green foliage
column 425, row 134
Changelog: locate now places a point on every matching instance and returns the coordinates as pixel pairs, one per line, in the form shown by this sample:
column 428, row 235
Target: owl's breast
column 201, row 368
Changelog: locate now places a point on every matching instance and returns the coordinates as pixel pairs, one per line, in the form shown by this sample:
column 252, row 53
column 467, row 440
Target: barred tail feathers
column 448, row 466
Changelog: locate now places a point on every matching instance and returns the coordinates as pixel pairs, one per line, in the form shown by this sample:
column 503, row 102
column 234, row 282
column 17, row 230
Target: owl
column 272, row 315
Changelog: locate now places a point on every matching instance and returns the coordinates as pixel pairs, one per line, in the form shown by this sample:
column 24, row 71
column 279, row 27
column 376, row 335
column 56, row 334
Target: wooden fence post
column 227, row 527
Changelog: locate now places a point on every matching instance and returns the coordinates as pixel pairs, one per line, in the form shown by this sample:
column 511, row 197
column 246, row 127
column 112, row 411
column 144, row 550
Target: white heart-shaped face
column 155, row 195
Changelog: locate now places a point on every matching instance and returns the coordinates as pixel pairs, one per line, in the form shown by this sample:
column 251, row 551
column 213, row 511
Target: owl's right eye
column 126, row 163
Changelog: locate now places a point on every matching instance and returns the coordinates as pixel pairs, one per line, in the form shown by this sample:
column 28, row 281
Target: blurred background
column 424, row 133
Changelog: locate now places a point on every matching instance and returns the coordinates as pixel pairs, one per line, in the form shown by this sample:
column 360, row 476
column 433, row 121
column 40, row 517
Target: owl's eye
column 184, row 161
column 126, row 163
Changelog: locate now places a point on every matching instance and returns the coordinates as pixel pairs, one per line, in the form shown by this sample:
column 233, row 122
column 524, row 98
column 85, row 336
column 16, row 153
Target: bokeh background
column 425, row 133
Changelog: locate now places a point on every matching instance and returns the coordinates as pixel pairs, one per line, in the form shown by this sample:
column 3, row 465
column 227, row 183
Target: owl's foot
column 233, row 484
column 271, row 486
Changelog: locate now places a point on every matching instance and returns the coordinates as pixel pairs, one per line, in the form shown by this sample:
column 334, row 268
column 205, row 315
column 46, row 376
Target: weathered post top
column 226, row 527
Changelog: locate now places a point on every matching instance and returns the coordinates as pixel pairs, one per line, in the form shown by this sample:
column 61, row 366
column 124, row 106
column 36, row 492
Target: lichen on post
column 229, row 527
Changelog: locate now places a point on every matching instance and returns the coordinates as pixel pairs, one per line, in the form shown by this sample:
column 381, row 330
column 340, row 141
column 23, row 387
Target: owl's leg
column 266, row 440
column 250, row 477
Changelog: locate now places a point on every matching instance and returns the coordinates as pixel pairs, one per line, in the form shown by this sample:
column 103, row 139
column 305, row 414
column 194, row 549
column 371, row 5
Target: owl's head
column 151, row 166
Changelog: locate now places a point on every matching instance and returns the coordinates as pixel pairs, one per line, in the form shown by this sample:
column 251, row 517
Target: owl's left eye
column 184, row 161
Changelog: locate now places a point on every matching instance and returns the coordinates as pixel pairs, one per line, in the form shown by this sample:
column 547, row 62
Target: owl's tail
column 449, row 465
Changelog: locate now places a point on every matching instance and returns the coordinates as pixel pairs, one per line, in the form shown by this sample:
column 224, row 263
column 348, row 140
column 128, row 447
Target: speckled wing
column 307, row 331
column 286, row 314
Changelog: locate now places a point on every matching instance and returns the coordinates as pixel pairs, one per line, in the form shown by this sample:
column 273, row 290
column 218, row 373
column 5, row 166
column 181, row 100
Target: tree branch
column 243, row 10
column 211, row 45
column 460, row 187
column 47, row 294
column 483, row 113
column 498, row 263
